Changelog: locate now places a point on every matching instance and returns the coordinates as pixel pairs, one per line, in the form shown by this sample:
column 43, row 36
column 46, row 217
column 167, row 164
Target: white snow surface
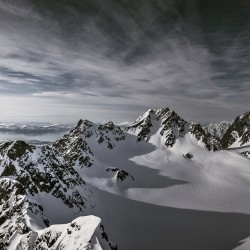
column 211, row 181
column 173, row 202
column 245, row 245
column 79, row 234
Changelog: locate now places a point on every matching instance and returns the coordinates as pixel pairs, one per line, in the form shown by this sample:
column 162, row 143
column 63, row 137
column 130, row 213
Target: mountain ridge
column 36, row 178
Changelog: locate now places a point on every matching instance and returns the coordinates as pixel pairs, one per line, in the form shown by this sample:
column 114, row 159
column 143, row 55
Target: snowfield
column 151, row 185
column 202, row 203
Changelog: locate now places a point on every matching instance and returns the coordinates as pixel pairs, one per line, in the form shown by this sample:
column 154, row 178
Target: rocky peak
column 75, row 146
column 171, row 127
column 211, row 142
column 239, row 131
column 217, row 129
column 15, row 149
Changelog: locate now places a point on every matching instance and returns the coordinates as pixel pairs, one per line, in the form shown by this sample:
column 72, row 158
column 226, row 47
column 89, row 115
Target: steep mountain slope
column 34, row 179
column 217, row 129
column 41, row 169
column 17, row 212
column 79, row 234
column 39, row 180
column 168, row 123
column 171, row 127
column 76, row 146
column 146, row 175
column 238, row 134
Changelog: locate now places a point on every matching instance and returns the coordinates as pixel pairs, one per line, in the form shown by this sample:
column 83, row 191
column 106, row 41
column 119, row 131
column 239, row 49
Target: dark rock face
column 18, row 149
column 121, row 175
column 240, row 129
column 211, row 143
column 188, row 156
column 144, row 126
column 74, row 147
column 174, row 127
column 245, row 153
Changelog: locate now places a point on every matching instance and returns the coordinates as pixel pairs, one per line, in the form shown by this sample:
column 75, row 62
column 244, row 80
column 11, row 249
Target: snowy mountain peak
column 104, row 169
column 238, row 134
column 170, row 127
column 77, row 146
column 164, row 121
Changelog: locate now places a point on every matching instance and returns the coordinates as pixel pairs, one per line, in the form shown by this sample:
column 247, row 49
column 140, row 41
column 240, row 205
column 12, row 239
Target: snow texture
column 158, row 183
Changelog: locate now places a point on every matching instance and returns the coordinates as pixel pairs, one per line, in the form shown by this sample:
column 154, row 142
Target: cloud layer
column 110, row 59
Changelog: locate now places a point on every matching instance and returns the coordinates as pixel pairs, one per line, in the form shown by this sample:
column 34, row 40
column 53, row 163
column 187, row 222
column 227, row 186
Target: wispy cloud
column 146, row 54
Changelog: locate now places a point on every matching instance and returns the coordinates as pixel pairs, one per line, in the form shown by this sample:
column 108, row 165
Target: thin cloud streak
column 116, row 57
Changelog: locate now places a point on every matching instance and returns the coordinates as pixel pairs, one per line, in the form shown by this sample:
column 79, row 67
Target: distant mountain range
column 34, row 128
column 79, row 180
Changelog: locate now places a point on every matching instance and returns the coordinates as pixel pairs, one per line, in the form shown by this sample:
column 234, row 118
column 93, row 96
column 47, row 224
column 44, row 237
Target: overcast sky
column 62, row 60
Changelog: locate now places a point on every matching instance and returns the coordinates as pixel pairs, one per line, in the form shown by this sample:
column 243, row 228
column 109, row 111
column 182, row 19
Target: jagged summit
column 164, row 122
column 238, row 134
column 217, row 129
column 170, row 126
column 76, row 146
column 36, row 180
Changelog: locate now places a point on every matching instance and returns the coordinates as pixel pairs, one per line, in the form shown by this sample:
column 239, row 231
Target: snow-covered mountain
column 33, row 133
column 217, row 129
column 238, row 134
column 169, row 126
column 158, row 183
column 32, row 128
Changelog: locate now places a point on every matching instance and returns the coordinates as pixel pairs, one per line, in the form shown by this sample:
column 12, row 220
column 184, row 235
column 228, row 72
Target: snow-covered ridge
column 238, row 134
column 79, row 234
column 48, row 174
column 170, row 127
column 122, row 175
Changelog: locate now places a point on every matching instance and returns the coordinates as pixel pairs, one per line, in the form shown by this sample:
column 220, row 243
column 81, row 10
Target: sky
column 62, row 60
